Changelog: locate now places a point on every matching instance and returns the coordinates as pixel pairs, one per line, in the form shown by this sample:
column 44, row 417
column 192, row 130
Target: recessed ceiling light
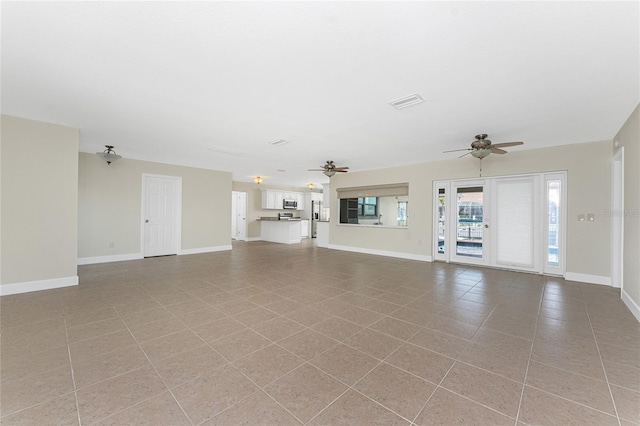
column 278, row 142
column 223, row 150
column 407, row 101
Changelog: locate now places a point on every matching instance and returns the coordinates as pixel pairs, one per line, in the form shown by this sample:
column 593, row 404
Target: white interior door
column 241, row 216
column 161, row 215
column 234, row 215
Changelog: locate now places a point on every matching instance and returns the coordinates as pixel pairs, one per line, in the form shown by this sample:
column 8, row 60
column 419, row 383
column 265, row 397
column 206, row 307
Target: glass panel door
column 554, row 224
column 441, row 220
column 469, row 222
column 553, row 201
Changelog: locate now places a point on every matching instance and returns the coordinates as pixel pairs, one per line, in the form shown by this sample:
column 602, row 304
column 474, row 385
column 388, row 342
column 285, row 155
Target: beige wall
column 629, row 138
column 39, row 201
column 589, row 188
column 254, row 204
column 110, row 202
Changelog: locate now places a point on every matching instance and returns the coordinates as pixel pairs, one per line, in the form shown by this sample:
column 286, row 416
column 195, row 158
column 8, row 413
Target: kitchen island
column 280, row 231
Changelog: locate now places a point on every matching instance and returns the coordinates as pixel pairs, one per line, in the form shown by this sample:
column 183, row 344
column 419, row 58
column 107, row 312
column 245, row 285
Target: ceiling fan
column 482, row 147
column 330, row 169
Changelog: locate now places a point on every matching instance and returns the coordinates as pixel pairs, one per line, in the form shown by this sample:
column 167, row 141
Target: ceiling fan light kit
column 481, row 153
column 482, row 147
column 330, row 169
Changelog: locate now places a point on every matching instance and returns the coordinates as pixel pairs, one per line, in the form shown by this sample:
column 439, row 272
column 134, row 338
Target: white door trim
column 617, row 219
column 178, row 217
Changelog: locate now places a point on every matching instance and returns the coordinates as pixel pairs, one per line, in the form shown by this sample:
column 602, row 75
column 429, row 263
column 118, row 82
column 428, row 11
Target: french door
column 514, row 222
column 467, row 235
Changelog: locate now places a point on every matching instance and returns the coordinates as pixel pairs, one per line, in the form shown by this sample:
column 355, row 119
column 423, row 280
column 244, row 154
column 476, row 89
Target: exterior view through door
column 512, row 222
column 161, row 212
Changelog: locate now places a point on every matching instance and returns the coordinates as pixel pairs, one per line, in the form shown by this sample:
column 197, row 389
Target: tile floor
column 276, row 334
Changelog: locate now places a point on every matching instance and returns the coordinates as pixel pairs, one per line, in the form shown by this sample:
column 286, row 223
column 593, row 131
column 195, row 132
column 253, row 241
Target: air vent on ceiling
column 278, row 142
column 223, row 150
column 407, row 101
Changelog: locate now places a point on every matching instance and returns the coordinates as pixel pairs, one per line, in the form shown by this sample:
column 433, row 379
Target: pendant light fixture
column 258, row 179
column 109, row 155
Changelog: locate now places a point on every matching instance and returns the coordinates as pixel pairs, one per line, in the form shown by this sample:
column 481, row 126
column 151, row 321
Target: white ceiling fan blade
column 506, row 144
column 456, row 150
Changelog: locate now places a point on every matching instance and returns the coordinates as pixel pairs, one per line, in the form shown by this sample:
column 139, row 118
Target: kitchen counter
column 281, row 231
column 269, row 218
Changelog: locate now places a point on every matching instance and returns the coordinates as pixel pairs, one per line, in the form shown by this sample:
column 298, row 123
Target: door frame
column 617, row 219
column 177, row 219
column 488, row 183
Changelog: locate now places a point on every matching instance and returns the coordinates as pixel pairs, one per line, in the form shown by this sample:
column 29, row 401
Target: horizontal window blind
column 388, row 190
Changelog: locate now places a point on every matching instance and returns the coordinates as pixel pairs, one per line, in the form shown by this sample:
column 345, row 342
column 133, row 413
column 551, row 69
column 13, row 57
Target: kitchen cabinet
column 280, row 231
column 269, row 200
column 273, row 200
column 304, row 228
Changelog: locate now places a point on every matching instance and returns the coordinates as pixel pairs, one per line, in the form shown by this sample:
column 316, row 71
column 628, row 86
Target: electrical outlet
column 112, row 244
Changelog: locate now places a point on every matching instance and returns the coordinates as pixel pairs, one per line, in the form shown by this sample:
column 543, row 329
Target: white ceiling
column 164, row 81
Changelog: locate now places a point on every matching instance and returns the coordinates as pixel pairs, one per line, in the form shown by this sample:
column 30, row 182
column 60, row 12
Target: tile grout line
column 73, row 378
column 456, row 360
column 604, row 370
column 155, row 370
column 231, row 362
column 526, row 372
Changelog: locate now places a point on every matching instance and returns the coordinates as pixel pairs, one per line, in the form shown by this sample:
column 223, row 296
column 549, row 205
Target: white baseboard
column 205, row 250
column 587, row 278
column 254, row 239
column 107, row 259
column 29, row 286
column 631, row 304
column 409, row 256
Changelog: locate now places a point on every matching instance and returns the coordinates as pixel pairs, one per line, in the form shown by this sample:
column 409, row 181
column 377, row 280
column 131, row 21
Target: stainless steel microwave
column 289, row 204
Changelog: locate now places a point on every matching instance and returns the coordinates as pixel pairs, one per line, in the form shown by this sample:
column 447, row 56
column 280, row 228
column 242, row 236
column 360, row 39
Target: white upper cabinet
column 274, row 200
column 269, row 200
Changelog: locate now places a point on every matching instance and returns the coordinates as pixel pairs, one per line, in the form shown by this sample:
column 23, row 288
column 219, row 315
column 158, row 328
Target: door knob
column 146, row 221
column 486, row 226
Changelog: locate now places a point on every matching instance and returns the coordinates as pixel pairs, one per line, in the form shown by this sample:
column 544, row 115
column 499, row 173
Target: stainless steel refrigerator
column 316, row 208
